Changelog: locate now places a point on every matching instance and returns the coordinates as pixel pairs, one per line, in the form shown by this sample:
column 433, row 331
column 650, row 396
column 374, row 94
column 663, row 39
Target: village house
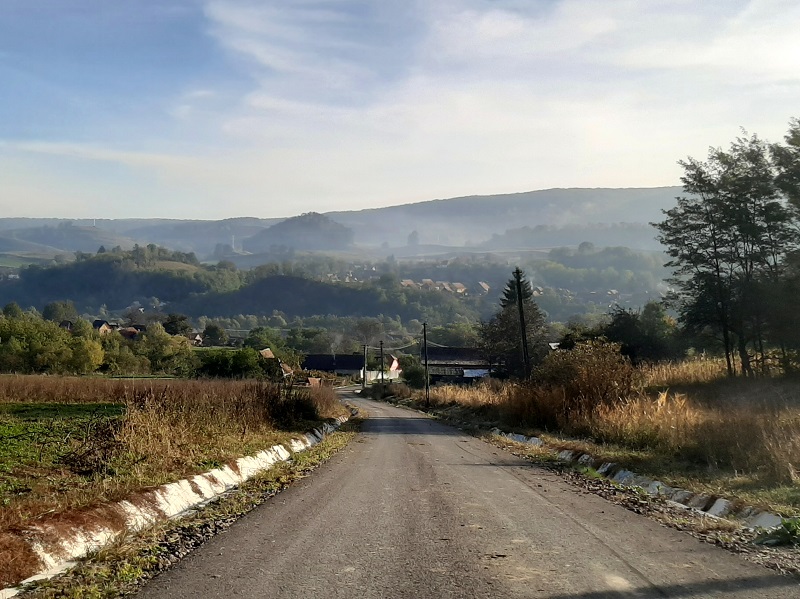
column 102, row 326
column 195, row 337
column 456, row 364
column 428, row 284
column 341, row 364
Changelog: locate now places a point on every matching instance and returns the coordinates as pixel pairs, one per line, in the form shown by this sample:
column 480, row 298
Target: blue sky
column 220, row 108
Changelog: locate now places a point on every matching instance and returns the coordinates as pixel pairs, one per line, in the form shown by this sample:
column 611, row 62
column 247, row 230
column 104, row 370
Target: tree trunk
column 744, row 357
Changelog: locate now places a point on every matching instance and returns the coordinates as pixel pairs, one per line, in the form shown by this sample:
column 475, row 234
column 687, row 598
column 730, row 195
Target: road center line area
column 415, row 508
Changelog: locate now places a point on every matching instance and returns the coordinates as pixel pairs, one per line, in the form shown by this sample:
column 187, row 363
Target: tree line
column 733, row 242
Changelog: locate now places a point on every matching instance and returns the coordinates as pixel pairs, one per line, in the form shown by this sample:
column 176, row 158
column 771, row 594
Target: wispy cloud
column 326, row 104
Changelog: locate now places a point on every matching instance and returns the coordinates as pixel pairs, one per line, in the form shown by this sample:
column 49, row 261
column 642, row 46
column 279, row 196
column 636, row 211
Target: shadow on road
column 718, row 588
column 393, row 425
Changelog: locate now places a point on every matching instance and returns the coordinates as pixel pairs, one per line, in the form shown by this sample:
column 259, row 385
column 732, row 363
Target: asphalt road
column 414, row 508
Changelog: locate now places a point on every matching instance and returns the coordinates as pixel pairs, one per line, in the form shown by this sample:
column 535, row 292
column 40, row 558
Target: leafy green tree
column 725, row 239
column 87, row 355
column 262, row 337
column 166, row 353
column 245, row 363
column 83, row 328
column 13, row 355
column 214, row 335
column 787, row 163
column 646, row 335
column 60, row 311
column 310, row 341
column 177, row 324
column 12, row 310
column 119, row 358
column 413, row 371
column 30, row 344
column 460, row 334
column 367, row 331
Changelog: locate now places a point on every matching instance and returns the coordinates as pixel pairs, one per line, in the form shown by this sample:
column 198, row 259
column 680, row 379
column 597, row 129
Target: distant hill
column 115, row 279
column 474, row 219
column 478, row 221
column 202, row 236
column 311, row 231
column 9, row 244
column 633, row 235
column 296, row 296
column 66, row 237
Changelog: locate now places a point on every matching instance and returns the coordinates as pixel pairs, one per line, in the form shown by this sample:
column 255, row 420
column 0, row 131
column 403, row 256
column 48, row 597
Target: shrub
column 414, row 376
column 589, row 375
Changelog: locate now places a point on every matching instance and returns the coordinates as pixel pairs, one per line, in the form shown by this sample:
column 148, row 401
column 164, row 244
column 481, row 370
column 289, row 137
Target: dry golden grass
column 687, row 372
column 168, row 429
column 667, row 423
column 488, row 393
column 740, row 427
column 21, row 388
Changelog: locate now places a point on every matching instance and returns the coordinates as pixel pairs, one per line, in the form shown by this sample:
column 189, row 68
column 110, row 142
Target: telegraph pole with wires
column 425, row 355
column 364, row 370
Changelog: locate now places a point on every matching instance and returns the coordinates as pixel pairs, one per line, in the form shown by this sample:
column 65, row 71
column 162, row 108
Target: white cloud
column 352, row 104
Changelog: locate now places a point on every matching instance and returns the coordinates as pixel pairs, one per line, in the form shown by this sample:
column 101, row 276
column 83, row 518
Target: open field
column 68, row 443
column 685, row 424
column 13, row 261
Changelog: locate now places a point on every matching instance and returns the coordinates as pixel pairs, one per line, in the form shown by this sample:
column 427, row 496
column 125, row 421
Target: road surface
column 414, row 508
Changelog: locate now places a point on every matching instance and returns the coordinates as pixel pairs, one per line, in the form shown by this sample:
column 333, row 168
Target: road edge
column 61, row 540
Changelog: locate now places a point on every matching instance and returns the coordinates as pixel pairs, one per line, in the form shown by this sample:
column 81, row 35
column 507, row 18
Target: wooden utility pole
column 364, row 370
column 382, row 362
column 425, row 354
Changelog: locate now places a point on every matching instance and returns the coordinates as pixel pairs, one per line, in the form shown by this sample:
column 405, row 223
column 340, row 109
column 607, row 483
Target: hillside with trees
column 295, row 296
column 66, row 237
column 311, row 231
column 629, row 234
column 117, row 278
column 544, row 218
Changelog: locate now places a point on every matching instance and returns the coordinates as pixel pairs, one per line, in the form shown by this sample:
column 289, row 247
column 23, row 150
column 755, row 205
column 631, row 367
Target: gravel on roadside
column 727, row 534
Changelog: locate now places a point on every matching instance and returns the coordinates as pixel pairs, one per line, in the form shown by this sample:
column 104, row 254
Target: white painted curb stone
column 59, row 549
column 720, row 507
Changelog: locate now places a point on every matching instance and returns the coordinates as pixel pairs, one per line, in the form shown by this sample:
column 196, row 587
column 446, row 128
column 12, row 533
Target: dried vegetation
column 684, row 419
column 67, row 443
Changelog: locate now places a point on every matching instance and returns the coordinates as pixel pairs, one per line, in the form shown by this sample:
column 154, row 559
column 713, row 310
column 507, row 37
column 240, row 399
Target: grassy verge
column 684, row 424
column 122, row 567
column 68, row 443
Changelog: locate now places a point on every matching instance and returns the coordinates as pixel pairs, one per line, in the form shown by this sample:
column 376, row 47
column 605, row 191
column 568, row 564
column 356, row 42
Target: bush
column 414, row 376
column 589, row 375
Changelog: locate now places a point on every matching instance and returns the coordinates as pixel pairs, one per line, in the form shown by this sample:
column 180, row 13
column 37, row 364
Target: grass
column 67, row 443
column 121, row 567
column 683, row 423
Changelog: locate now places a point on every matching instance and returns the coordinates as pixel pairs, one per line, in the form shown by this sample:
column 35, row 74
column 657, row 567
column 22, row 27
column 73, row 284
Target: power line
column 412, row 344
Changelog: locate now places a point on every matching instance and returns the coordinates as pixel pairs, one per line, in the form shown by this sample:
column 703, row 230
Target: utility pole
column 425, row 354
column 522, row 328
column 381, row 362
column 364, row 370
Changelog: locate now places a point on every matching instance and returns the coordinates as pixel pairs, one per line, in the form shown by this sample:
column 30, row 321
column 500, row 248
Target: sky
column 211, row 109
